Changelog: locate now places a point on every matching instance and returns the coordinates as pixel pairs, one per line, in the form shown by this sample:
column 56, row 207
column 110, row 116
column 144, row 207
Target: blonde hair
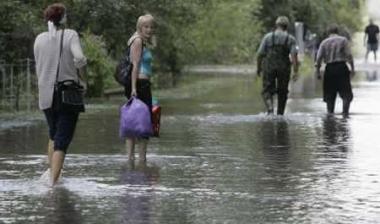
column 142, row 20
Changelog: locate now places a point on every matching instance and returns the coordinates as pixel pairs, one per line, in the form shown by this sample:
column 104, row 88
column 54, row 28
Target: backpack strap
column 128, row 50
column 286, row 40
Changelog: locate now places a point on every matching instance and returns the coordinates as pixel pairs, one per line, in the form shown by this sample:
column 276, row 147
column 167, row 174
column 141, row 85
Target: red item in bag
column 156, row 117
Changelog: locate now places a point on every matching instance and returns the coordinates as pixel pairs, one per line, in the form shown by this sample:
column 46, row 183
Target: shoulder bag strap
column 60, row 55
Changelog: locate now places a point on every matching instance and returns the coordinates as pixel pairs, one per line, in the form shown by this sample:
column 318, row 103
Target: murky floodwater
column 219, row 160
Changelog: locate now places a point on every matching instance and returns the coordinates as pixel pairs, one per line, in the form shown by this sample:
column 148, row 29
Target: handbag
column 135, row 120
column 68, row 94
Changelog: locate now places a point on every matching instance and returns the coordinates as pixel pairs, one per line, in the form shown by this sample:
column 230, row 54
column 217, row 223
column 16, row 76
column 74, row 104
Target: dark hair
column 333, row 29
column 55, row 13
column 283, row 22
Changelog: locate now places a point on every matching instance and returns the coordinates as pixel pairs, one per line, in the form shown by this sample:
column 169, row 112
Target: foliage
column 227, row 35
column 16, row 30
column 316, row 15
column 174, row 20
column 100, row 67
column 188, row 31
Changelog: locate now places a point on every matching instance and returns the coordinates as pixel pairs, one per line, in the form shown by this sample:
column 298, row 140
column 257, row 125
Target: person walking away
column 371, row 39
column 140, row 86
column 58, row 55
column 335, row 52
column 273, row 59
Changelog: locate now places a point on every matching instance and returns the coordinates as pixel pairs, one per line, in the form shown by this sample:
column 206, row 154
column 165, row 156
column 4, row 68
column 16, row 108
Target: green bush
column 100, row 67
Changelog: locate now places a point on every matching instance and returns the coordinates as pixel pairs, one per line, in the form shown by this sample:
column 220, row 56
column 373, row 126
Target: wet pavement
column 219, row 159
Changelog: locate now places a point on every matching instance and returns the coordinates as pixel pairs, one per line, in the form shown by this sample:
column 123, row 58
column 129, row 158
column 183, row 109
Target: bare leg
column 366, row 55
column 56, row 166
column 50, row 151
column 141, row 165
column 374, row 54
column 346, row 107
column 130, row 144
column 143, row 144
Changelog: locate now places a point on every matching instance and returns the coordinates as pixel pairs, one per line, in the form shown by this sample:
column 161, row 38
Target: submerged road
column 219, row 159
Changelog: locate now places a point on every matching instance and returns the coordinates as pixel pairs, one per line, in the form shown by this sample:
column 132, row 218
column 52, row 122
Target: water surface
column 219, row 159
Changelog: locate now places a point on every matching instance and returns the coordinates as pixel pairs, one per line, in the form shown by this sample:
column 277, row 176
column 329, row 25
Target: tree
column 16, row 30
column 317, row 15
column 227, row 35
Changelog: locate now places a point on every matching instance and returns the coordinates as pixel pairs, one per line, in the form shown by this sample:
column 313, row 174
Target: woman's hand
column 318, row 74
column 352, row 73
column 134, row 92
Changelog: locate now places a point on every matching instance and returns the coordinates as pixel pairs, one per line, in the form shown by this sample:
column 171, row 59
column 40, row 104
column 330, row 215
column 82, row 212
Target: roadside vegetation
column 188, row 31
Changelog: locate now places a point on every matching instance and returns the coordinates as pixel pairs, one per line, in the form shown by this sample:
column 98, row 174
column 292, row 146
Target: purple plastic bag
column 135, row 119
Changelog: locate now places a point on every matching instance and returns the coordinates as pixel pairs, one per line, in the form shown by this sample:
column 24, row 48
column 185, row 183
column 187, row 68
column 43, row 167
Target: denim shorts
column 372, row 46
column 61, row 127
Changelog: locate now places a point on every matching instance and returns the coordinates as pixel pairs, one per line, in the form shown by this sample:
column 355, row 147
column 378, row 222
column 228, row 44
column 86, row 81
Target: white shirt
column 46, row 53
column 335, row 48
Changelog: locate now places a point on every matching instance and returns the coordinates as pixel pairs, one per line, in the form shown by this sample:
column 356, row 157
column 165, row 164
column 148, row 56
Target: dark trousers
column 61, row 127
column 337, row 81
column 276, row 81
column 144, row 92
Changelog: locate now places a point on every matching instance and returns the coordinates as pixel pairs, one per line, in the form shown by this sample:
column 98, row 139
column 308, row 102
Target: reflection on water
column 371, row 76
column 61, row 206
column 336, row 133
column 275, row 140
column 137, row 208
column 220, row 159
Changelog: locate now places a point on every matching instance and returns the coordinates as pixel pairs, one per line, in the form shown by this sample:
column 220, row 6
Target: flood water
column 219, row 159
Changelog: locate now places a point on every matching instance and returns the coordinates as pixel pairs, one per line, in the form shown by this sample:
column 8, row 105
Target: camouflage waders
column 276, row 67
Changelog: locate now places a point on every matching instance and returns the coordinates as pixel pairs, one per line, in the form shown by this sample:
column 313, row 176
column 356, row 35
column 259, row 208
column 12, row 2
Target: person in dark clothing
column 371, row 38
column 335, row 52
column 274, row 61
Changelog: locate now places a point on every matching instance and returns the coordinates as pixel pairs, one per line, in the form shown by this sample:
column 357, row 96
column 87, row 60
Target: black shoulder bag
column 68, row 94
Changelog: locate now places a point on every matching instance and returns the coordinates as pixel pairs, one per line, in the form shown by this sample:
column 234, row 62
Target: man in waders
column 335, row 52
column 273, row 59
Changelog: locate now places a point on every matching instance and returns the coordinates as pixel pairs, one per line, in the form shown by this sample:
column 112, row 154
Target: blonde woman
column 140, row 85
